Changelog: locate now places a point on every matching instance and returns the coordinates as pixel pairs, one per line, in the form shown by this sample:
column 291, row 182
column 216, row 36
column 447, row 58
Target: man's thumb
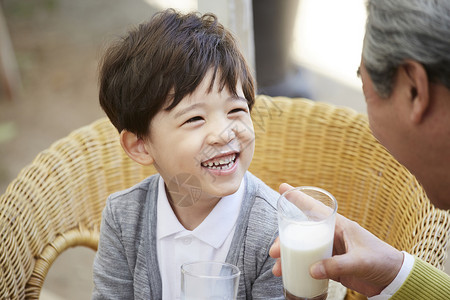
column 331, row 268
column 317, row 270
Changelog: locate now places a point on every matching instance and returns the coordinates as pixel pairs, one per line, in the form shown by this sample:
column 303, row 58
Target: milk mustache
column 303, row 244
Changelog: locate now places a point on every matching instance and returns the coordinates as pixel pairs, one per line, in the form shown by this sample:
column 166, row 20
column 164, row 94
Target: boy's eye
column 236, row 110
column 194, row 119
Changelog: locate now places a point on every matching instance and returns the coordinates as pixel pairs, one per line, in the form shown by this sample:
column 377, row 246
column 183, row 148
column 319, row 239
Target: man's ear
column 418, row 90
column 135, row 148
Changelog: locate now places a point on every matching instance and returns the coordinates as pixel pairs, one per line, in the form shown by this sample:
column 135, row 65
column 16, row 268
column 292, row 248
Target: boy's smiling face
column 208, row 137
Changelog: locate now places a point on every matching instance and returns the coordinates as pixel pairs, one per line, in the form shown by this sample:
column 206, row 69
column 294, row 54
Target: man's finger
column 334, row 267
column 275, row 249
column 276, row 270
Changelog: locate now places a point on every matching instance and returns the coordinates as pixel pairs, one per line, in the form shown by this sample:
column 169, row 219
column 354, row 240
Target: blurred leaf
column 7, row 131
column 26, row 8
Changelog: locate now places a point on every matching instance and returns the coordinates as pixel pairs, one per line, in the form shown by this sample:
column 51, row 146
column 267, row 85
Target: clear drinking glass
column 306, row 220
column 207, row 280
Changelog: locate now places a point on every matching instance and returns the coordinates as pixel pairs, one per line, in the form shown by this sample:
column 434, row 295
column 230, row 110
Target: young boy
column 180, row 92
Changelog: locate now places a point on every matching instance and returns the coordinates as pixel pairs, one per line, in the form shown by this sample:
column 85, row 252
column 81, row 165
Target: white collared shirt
column 209, row 241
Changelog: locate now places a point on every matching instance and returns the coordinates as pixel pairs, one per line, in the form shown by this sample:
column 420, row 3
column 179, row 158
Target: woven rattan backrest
column 56, row 202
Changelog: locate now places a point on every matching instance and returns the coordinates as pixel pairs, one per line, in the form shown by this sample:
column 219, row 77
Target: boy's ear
column 135, row 148
column 419, row 90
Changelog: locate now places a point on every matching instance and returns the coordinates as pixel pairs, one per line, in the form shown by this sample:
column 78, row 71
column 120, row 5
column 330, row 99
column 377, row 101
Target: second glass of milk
column 306, row 219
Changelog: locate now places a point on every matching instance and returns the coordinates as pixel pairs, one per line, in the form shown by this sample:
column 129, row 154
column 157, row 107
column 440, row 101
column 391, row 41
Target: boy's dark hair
column 162, row 61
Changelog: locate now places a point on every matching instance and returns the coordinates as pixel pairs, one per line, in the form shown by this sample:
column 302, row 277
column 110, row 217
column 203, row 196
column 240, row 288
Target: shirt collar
column 213, row 230
column 167, row 221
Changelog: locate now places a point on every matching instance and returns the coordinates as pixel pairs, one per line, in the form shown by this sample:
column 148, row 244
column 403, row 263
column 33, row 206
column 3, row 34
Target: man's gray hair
column 398, row 30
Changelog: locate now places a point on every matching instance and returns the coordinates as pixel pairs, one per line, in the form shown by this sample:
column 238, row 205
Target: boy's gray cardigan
column 126, row 263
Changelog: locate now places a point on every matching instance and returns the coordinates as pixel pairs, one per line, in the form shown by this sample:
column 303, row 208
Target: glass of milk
column 208, row 280
column 306, row 219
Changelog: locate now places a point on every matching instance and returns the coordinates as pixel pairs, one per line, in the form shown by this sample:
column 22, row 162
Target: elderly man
column 405, row 71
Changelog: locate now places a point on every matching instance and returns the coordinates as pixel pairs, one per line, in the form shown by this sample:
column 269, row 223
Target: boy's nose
column 221, row 133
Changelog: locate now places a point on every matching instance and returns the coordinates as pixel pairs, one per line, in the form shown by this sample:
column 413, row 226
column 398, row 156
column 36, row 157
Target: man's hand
column 360, row 261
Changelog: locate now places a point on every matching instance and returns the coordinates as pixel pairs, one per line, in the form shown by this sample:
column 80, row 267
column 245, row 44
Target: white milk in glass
column 209, row 280
column 303, row 244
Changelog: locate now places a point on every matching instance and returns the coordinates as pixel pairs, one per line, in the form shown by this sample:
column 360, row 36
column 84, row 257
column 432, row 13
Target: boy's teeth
column 222, row 163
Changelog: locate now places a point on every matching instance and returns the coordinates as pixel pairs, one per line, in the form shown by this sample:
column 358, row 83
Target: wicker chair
column 56, row 202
